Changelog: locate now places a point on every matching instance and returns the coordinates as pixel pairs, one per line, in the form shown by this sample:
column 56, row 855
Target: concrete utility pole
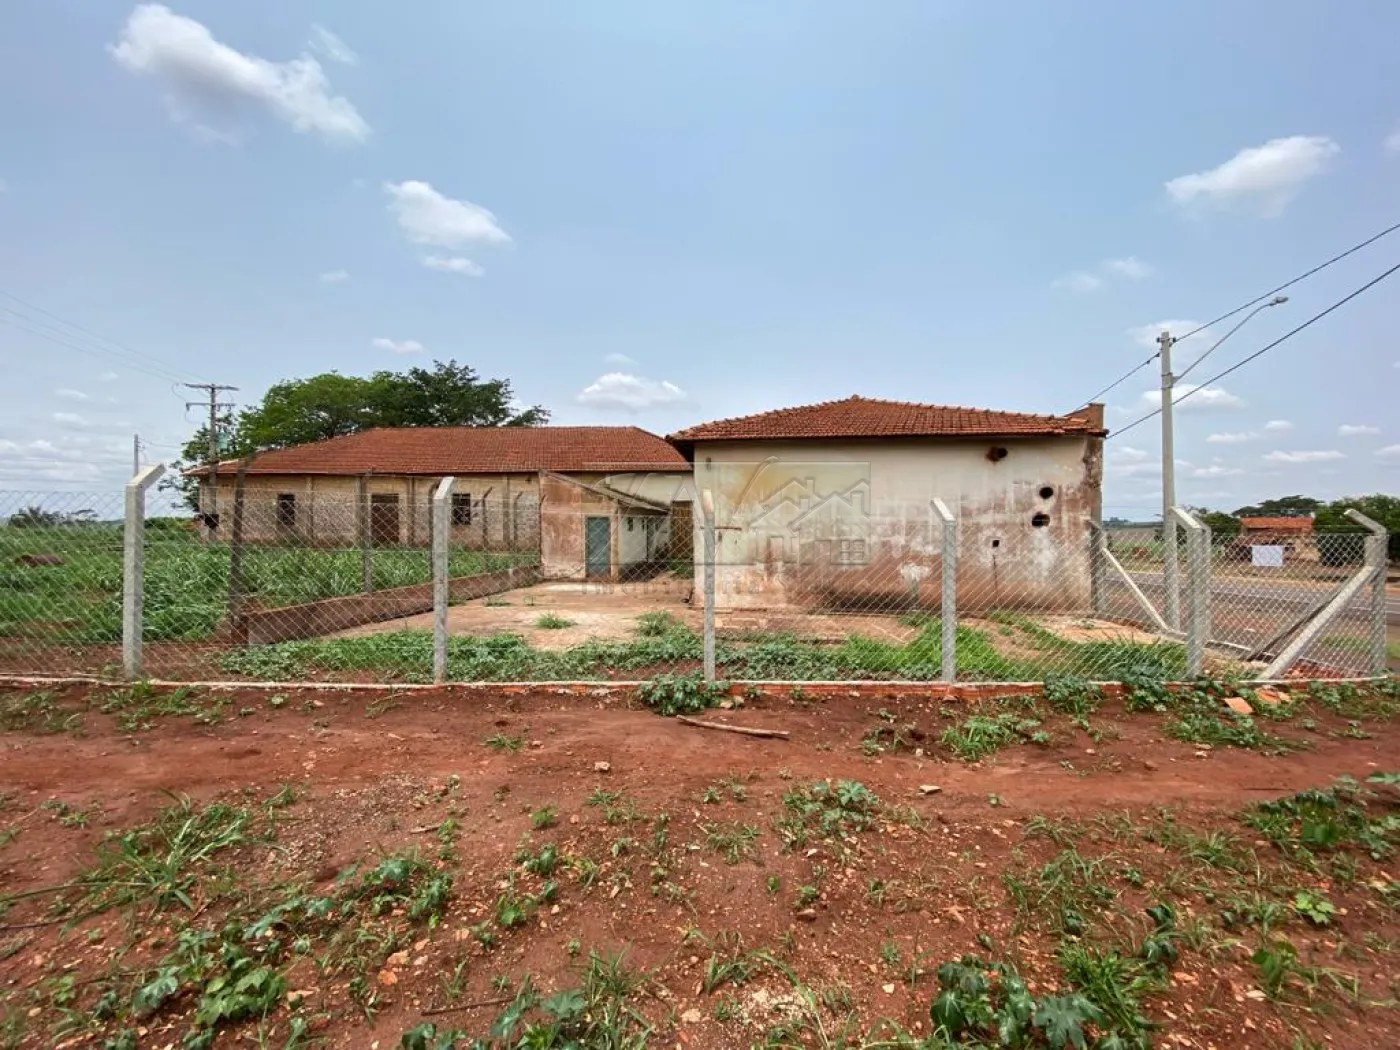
column 208, row 493
column 135, row 454
column 1170, row 575
column 1172, row 604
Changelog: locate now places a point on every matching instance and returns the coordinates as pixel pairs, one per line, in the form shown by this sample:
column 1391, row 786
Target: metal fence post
column 707, row 512
column 1197, row 590
column 442, row 525
column 1377, row 552
column 133, row 558
column 948, row 643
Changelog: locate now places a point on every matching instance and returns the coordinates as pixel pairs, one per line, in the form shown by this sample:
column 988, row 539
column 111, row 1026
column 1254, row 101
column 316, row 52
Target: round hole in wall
column 996, row 453
column 1046, row 491
column 1039, row 521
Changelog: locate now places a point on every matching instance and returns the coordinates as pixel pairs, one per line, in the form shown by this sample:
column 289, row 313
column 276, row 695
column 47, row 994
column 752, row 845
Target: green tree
column 1222, row 526
column 446, row 395
column 1283, row 507
column 297, row 411
column 1382, row 509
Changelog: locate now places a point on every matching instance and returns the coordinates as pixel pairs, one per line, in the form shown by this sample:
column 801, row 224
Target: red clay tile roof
column 1282, row 524
column 438, row 451
column 869, row 417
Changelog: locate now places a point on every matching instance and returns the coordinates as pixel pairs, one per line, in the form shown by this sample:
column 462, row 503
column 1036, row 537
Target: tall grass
column 186, row 580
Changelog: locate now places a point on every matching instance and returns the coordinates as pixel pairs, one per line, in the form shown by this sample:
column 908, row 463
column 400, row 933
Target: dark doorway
column 597, row 547
column 286, row 512
column 384, row 519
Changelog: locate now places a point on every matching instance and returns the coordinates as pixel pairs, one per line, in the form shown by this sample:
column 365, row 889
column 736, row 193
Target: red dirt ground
column 376, row 771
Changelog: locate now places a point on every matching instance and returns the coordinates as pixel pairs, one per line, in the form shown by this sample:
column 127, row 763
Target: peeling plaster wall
column 505, row 508
column 848, row 523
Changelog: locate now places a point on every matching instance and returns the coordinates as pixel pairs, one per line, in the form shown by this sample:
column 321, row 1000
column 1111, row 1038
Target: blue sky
column 663, row 213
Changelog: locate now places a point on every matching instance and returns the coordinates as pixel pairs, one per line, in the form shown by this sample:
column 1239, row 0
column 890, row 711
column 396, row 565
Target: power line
column 1263, row 350
column 1119, row 381
column 1288, row 284
column 1240, row 309
column 47, row 333
column 98, row 336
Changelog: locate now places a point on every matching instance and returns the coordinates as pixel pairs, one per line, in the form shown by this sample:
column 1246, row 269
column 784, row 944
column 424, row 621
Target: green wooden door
column 597, row 547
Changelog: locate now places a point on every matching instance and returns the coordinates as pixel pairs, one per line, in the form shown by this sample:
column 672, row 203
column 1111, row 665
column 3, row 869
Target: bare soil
column 378, row 773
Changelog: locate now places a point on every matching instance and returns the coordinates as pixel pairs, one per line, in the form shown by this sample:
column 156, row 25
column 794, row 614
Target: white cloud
column 4, row 186
column 1213, row 471
column 1079, row 281
column 1129, row 462
column 207, row 76
column 1389, row 454
column 397, row 346
column 1357, row 430
column 1236, row 438
column 619, row 390
column 428, row 217
column 1266, row 177
column 453, row 264
column 108, row 377
column 335, row 276
column 1131, row 267
column 1275, row 426
column 70, row 394
column 1198, row 398
column 1304, row 457
column 67, row 458
column 328, row 45
column 618, row 359
column 71, row 420
column 1392, row 141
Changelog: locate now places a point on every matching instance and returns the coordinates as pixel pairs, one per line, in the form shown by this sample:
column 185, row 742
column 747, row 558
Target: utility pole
column 208, row 494
column 1172, row 606
column 135, row 454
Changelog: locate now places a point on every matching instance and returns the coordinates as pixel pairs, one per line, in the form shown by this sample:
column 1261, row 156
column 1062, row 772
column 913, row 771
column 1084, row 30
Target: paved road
column 1266, row 596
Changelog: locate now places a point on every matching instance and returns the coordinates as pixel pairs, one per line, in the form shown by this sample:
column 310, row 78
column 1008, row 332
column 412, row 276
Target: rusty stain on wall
column 854, row 530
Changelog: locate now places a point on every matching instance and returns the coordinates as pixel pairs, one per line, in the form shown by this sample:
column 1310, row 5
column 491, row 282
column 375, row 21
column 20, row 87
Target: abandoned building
column 1291, row 538
column 829, row 504
column 595, row 501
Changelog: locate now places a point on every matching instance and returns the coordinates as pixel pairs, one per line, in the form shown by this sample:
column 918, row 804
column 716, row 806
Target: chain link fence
column 460, row 586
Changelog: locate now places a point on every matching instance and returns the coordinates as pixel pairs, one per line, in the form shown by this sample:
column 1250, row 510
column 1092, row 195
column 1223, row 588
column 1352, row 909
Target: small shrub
column 681, row 694
column 553, row 622
column 657, row 624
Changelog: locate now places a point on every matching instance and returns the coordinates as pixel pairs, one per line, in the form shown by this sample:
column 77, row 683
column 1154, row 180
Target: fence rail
column 519, row 590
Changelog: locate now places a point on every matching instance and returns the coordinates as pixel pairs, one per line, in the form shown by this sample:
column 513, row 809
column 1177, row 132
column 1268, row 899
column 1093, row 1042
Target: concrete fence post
column 1197, row 590
column 1098, row 569
column 441, row 533
column 707, row 514
column 1377, row 553
column 133, row 566
column 362, row 533
column 948, row 590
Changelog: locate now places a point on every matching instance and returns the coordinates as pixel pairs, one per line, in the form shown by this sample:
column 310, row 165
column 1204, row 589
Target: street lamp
column 1172, row 610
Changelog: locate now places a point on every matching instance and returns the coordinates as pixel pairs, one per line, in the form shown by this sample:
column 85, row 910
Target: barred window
column 461, row 508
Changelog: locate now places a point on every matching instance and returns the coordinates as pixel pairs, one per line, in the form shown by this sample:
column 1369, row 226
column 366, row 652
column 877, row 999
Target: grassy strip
column 773, row 657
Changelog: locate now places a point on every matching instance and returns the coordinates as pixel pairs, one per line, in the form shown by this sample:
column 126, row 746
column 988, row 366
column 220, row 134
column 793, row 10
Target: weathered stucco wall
column 848, row 523
column 504, row 509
